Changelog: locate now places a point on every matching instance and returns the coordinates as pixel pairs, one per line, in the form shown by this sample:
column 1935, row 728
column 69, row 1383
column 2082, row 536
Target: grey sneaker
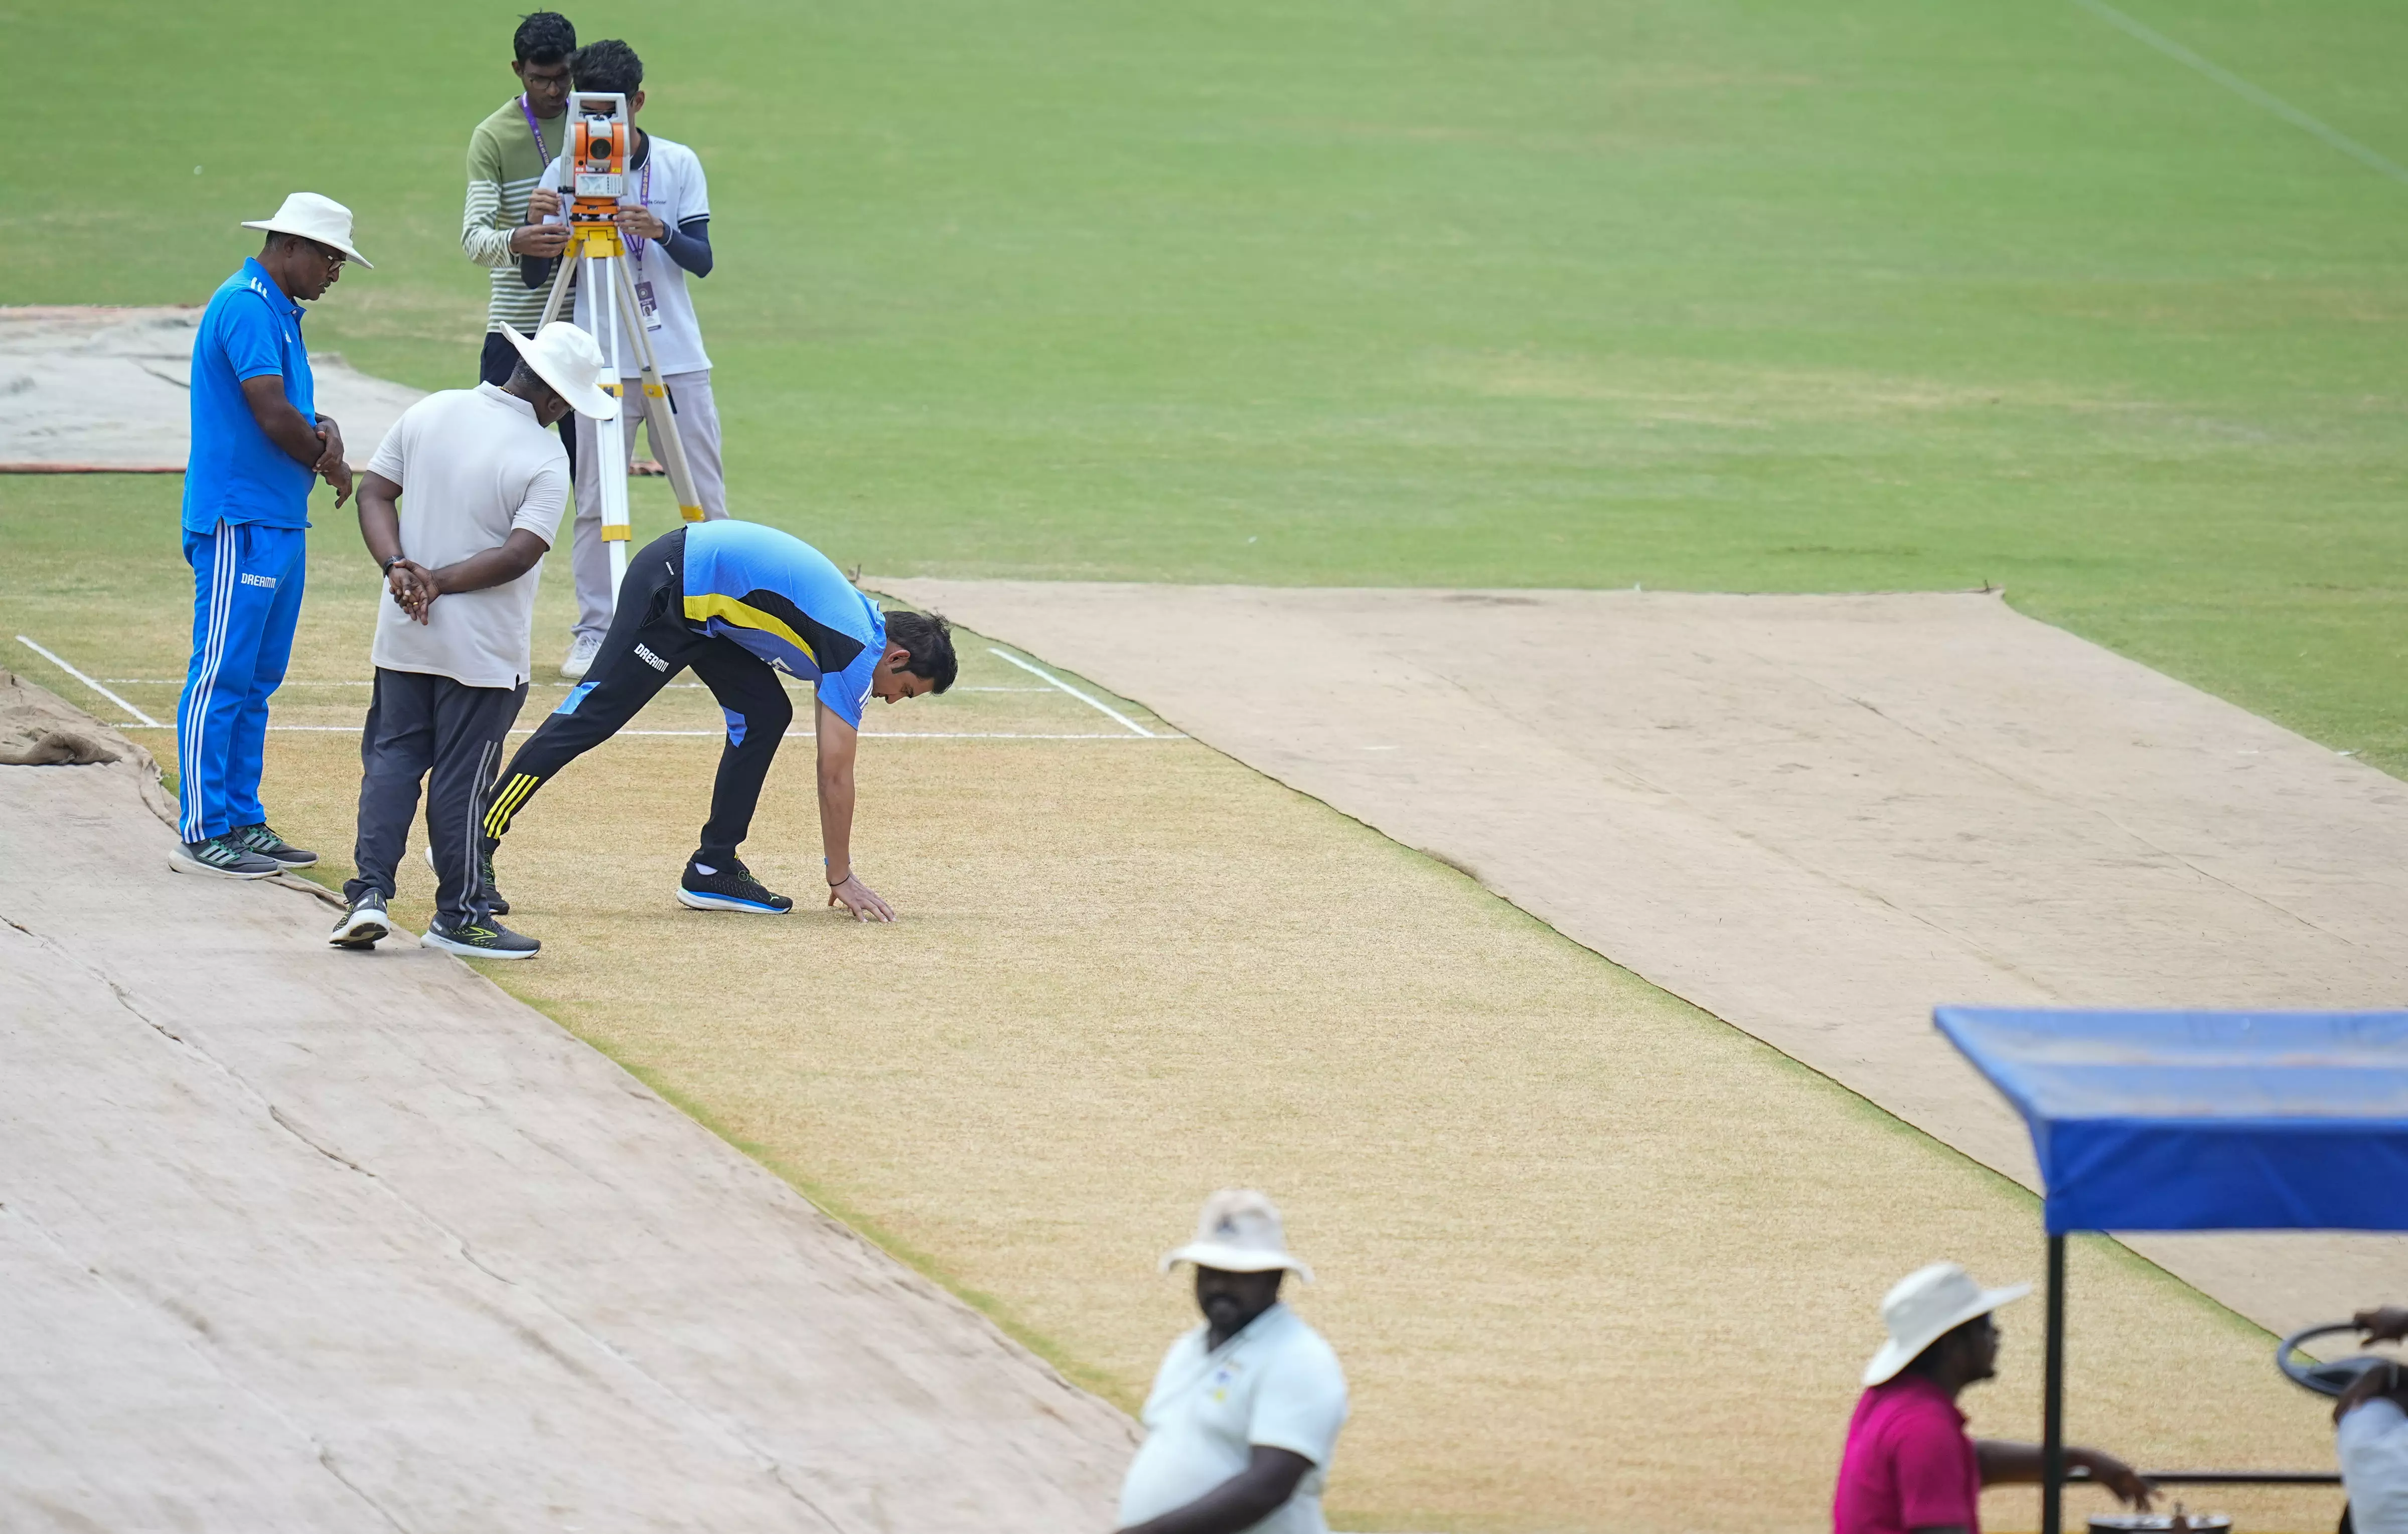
column 267, row 843
column 362, row 925
column 481, row 940
column 222, row 859
column 580, row 659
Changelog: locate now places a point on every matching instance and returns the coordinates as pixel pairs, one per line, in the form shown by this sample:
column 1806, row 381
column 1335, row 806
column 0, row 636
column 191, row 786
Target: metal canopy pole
column 2052, row 1421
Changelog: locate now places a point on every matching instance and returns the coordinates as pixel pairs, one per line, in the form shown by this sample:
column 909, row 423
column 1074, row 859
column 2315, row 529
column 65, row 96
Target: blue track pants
column 247, row 582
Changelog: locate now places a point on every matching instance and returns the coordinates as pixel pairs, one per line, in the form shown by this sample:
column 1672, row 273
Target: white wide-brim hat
column 312, row 217
column 1239, row 1232
column 566, row 358
column 1926, row 1305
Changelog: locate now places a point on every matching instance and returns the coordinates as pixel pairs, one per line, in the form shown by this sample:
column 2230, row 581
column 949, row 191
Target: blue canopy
column 2205, row 1121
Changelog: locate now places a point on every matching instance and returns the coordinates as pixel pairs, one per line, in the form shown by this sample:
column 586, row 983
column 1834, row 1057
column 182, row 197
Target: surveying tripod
column 597, row 261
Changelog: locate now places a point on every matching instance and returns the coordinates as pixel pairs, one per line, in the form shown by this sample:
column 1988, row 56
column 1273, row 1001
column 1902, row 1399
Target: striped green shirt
column 505, row 163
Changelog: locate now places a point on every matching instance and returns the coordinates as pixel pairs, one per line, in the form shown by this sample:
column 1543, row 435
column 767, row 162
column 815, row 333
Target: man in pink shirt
column 1908, row 1468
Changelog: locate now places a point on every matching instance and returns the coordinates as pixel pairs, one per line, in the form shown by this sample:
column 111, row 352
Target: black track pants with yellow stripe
column 648, row 644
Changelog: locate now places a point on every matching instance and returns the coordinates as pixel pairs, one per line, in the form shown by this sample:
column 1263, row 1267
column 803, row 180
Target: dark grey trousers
column 452, row 735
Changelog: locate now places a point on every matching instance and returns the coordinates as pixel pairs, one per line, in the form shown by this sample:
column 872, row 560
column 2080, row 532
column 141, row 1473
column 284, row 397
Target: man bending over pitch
column 740, row 602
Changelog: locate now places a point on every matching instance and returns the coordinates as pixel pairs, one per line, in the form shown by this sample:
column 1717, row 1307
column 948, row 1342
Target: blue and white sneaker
column 729, row 887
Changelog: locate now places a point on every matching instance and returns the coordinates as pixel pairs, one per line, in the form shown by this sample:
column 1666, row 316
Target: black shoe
column 480, row 940
column 362, row 925
column 495, row 902
column 267, row 843
column 222, row 859
column 729, row 886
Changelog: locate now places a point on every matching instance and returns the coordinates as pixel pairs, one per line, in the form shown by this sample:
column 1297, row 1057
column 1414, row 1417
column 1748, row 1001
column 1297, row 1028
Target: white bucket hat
column 1239, row 1232
column 1926, row 1305
column 312, row 217
column 566, row 358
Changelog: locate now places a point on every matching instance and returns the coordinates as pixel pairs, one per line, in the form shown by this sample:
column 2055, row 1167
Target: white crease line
column 1104, row 709
column 95, row 686
column 714, row 735
column 2245, row 90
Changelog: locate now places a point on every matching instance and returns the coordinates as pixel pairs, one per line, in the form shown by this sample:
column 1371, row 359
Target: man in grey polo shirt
column 458, row 508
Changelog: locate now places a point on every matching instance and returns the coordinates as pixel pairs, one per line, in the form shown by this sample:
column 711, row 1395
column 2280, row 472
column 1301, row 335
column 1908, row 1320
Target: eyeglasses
column 333, row 259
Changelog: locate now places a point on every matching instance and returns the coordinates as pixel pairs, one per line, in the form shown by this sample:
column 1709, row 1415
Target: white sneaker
column 580, row 659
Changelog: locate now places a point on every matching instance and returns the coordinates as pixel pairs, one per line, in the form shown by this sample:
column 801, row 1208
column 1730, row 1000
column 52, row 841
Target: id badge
column 646, row 305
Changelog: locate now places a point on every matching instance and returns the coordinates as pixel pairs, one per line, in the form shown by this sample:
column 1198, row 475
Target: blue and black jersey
column 783, row 601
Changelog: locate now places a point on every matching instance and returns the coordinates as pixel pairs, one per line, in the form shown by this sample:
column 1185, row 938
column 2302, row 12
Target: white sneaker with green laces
column 363, row 924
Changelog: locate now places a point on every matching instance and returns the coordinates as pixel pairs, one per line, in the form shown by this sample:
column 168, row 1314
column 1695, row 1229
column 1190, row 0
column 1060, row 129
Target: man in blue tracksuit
column 258, row 446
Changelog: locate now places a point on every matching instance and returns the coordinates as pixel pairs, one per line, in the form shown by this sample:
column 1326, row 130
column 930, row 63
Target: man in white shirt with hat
column 1909, row 1465
column 1246, row 1409
column 458, row 508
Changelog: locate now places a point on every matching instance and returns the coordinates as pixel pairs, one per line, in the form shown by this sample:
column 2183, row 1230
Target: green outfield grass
column 1797, row 294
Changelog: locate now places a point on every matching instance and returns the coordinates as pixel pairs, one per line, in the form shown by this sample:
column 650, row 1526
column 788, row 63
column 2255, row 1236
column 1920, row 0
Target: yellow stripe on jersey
column 713, row 605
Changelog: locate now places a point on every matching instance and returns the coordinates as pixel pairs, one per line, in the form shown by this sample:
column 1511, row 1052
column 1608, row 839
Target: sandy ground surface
column 294, row 1240
column 111, row 388
column 1814, row 816
column 1593, row 1259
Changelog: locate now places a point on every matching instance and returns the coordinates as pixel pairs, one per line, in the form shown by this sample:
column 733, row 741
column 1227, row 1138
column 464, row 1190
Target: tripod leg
column 658, row 407
column 610, row 437
column 551, row 306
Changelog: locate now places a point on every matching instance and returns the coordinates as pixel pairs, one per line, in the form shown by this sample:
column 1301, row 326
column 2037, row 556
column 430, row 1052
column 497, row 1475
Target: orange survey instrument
column 597, row 162
column 601, row 141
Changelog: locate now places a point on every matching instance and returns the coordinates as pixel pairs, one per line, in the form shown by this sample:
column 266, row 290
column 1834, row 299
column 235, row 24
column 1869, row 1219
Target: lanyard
column 644, row 195
column 528, row 112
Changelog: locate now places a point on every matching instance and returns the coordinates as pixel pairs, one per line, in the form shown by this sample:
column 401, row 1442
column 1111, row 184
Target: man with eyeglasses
column 259, row 446
column 507, row 152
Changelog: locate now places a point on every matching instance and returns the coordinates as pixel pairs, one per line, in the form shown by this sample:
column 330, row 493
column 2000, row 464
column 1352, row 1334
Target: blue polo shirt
column 235, row 473
column 778, row 598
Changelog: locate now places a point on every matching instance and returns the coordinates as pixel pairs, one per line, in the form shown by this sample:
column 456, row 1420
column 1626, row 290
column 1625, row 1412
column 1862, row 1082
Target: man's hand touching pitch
column 860, row 900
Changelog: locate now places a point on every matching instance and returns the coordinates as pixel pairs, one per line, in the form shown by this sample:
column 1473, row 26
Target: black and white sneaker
column 222, row 859
column 729, row 887
column 362, row 925
column 493, row 899
column 267, row 844
column 480, row 940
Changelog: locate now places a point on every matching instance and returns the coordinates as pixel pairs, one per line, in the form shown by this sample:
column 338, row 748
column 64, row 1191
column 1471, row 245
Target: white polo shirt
column 669, row 182
column 472, row 464
column 2372, row 1445
column 1276, row 1384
